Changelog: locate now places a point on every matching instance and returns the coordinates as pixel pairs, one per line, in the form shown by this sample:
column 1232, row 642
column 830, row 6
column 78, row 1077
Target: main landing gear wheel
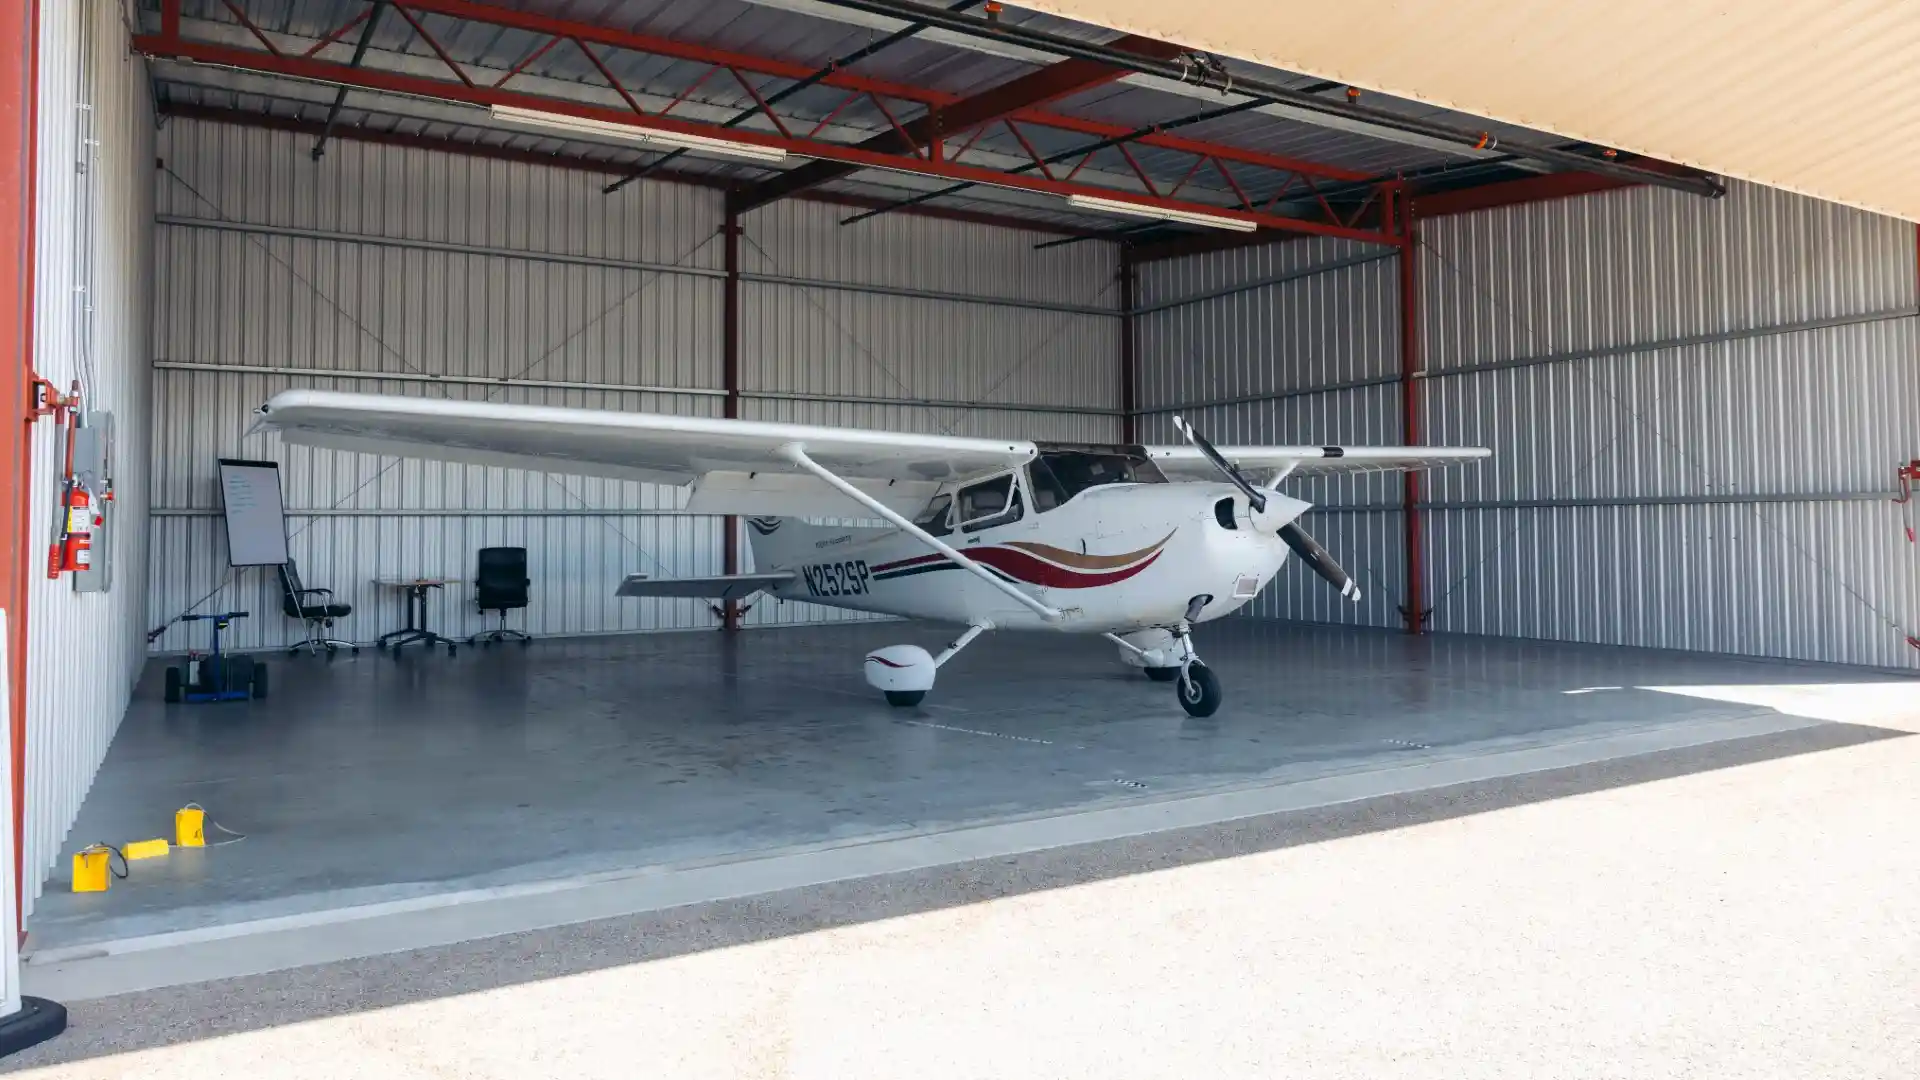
column 1162, row 674
column 903, row 699
column 1199, row 691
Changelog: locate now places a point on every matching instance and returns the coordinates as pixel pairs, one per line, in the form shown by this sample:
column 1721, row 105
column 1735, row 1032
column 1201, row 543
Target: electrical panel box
column 93, row 467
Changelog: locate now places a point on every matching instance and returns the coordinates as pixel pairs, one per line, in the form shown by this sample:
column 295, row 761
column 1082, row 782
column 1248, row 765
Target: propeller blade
column 1322, row 563
column 1255, row 497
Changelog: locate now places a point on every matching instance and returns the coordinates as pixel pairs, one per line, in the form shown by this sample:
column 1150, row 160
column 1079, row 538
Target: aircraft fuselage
column 1112, row 559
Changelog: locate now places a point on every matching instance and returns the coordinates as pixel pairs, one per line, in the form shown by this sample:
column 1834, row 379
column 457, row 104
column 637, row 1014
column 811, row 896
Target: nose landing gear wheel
column 1199, row 692
column 901, row 699
column 1162, row 674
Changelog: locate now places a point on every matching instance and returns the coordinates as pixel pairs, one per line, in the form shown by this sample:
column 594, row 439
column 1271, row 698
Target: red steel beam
column 581, row 164
column 932, row 99
column 1129, row 377
column 1036, row 88
column 419, row 86
column 1410, row 387
column 730, row 379
column 1515, row 192
column 19, row 74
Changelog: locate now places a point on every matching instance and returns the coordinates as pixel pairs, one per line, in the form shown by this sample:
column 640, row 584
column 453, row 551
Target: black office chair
column 501, row 586
column 317, row 617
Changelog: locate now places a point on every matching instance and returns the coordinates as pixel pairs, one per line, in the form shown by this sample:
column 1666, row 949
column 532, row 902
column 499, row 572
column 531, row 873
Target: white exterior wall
column 392, row 270
column 93, row 267
column 1696, row 410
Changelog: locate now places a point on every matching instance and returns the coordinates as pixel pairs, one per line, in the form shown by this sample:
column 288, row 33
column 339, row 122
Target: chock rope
column 101, row 845
column 236, row 836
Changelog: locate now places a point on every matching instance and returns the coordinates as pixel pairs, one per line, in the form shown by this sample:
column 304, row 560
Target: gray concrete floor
column 1732, row 910
column 372, row 779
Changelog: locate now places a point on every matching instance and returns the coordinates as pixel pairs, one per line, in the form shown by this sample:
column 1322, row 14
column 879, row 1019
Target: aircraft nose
column 1281, row 510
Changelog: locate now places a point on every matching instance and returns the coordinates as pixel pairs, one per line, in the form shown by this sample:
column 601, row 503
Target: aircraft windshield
column 1059, row 475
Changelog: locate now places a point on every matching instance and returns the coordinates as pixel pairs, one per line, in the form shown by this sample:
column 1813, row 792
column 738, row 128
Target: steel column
column 1129, row 358
column 19, row 75
column 1415, row 612
column 730, row 375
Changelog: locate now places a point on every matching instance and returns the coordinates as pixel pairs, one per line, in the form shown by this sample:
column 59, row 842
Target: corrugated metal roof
column 1813, row 96
column 795, row 31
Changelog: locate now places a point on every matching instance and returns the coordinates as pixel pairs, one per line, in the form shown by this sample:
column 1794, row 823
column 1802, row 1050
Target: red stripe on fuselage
column 1034, row 571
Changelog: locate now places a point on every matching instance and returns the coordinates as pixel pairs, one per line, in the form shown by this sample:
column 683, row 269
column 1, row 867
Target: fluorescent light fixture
column 580, row 125
column 1160, row 213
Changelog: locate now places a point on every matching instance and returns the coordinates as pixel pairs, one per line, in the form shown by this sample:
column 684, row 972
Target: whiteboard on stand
column 256, row 518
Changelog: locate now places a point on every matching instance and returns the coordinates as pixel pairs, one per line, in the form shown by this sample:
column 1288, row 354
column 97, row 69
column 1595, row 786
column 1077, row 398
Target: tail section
column 780, row 542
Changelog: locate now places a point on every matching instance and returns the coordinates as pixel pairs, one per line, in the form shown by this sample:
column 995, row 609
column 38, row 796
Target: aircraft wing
column 738, row 459
column 730, row 587
column 1258, row 462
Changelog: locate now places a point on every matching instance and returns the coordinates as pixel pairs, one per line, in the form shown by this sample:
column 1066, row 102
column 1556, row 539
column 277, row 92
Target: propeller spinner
column 1315, row 556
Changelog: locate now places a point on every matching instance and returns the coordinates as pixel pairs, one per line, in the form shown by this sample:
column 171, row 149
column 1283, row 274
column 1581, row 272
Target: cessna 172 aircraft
column 1134, row 543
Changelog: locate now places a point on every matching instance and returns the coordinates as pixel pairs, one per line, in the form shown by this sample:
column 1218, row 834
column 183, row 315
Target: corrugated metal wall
column 390, row 270
column 1696, row 409
column 1288, row 343
column 92, row 309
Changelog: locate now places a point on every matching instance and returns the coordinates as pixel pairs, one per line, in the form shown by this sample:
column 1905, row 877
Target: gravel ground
column 1744, row 909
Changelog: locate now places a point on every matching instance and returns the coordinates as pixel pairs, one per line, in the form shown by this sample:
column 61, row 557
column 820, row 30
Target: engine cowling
column 903, row 672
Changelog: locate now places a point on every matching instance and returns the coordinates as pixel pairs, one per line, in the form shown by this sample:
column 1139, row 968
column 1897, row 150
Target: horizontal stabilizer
column 725, row 587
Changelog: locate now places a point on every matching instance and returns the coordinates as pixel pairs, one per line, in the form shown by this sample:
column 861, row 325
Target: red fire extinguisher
column 74, row 550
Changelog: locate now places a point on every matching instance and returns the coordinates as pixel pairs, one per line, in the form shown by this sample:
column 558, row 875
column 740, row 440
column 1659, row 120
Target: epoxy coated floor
column 370, row 778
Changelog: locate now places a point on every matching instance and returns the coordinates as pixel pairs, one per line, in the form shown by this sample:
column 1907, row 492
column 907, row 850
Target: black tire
column 905, row 699
column 1162, row 674
column 1199, row 692
column 176, row 685
column 450, row 649
column 238, row 674
column 259, row 679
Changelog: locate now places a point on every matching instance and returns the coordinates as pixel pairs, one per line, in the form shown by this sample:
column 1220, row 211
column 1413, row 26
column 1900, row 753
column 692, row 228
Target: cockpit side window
column 989, row 503
column 934, row 517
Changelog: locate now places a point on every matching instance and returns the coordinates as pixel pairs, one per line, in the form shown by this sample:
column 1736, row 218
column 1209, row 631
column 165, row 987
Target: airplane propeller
column 1315, row 556
column 1255, row 497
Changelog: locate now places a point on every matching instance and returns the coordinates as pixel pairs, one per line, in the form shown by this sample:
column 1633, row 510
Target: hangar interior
column 1697, row 392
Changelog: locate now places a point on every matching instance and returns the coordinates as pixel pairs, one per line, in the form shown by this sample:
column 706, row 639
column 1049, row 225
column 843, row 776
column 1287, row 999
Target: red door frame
column 19, row 78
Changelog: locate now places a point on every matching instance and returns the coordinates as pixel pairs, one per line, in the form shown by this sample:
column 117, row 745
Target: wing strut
column 797, row 454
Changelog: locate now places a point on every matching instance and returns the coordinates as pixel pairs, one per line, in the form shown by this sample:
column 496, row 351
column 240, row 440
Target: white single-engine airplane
column 1135, row 543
